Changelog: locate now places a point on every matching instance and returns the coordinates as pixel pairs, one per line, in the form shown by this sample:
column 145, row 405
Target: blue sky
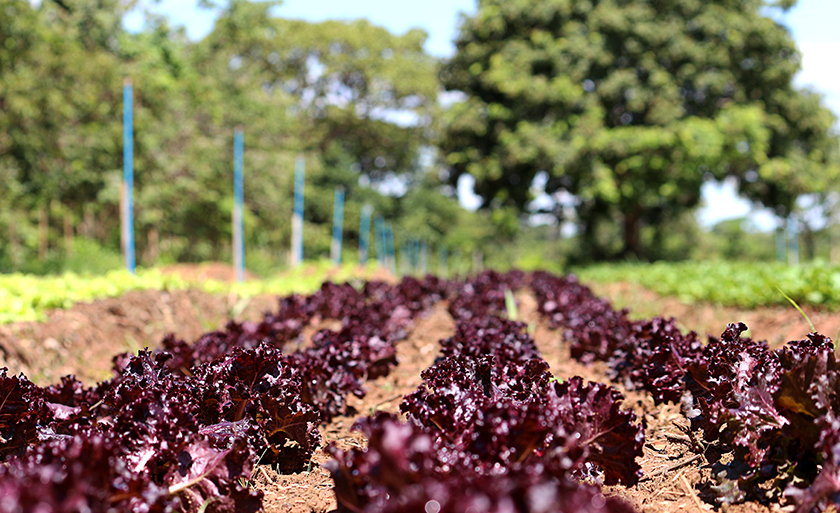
column 815, row 25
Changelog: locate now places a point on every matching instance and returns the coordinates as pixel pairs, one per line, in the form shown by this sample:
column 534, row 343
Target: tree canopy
column 355, row 99
column 626, row 107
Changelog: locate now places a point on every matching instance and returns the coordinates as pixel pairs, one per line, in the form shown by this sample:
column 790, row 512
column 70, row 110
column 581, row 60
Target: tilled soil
column 676, row 461
column 776, row 324
column 84, row 339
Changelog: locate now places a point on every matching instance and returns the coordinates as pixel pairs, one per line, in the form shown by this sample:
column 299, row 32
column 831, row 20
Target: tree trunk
column 809, row 242
column 101, row 227
column 478, row 261
column 89, row 224
column 793, row 242
column 43, row 233
column 153, row 250
column 68, row 232
column 14, row 246
column 632, row 240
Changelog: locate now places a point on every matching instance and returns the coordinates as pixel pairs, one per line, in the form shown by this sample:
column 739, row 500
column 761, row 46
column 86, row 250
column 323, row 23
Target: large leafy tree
column 57, row 73
column 354, row 99
column 628, row 106
column 354, row 88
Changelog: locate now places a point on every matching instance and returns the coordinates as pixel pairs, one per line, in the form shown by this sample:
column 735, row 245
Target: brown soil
column 311, row 491
column 216, row 271
column 777, row 325
column 220, row 271
column 83, row 339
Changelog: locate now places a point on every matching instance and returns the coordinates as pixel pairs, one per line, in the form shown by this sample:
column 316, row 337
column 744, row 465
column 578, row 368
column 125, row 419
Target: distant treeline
column 328, row 91
column 612, row 117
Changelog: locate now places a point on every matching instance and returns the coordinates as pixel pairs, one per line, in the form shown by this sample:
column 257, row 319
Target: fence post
column 424, row 258
column 443, row 262
column 238, row 201
column 364, row 235
column 781, row 243
column 403, row 261
column 379, row 233
column 391, row 252
column 338, row 225
column 793, row 242
column 128, row 174
column 411, row 256
column 297, row 217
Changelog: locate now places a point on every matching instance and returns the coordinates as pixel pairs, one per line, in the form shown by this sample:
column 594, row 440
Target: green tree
column 356, row 100
column 351, row 97
column 355, row 88
column 59, row 76
column 629, row 106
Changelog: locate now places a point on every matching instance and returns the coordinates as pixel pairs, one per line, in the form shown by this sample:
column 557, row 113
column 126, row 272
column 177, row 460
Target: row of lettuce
column 183, row 428
column 741, row 284
column 26, row 297
column 490, row 429
column 775, row 414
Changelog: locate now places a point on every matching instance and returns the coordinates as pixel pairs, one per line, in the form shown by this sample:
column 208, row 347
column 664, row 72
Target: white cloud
column 721, row 202
column 821, row 70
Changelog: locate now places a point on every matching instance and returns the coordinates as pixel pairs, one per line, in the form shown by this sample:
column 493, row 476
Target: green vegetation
column 741, row 284
column 625, row 108
column 612, row 113
column 358, row 102
column 27, row 297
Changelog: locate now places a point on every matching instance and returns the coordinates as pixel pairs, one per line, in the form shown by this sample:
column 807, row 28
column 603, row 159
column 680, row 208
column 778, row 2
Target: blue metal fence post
column 424, row 258
column 781, row 244
column 417, row 251
column 128, row 174
column 364, row 235
column 387, row 246
column 390, row 250
column 238, row 201
column 408, row 256
column 379, row 233
column 297, row 217
column 793, row 242
column 338, row 225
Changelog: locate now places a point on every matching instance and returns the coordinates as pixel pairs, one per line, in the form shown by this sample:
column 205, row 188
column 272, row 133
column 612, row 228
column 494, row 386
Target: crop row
column 776, row 412
column 27, row 298
column 740, row 284
column 490, row 429
column 182, row 429
column 747, row 285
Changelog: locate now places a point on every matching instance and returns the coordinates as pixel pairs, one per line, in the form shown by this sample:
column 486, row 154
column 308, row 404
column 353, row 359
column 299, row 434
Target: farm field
column 675, row 463
column 728, row 283
column 28, row 298
column 143, row 145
